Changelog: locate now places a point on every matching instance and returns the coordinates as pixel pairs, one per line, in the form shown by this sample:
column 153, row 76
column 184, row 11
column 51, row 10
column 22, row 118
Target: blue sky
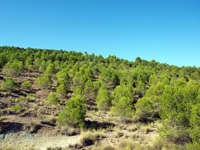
column 165, row 30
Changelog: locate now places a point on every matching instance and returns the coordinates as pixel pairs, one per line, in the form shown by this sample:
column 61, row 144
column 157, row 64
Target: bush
column 62, row 90
column 122, row 91
column 9, row 85
column 194, row 130
column 26, row 85
column 63, row 77
column 123, row 108
column 140, row 88
column 53, row 98
column 144, row 109
column 65, row 130
column 103, row 99
column 50, row 69
column 16, row 108
column 73, row 113
column 89, row 138
column 180, row 113
column 14, row 68
column 44, row 82
column 89, row 92
column 78, row 90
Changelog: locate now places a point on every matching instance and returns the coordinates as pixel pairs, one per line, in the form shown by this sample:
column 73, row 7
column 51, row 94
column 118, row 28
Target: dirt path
column 24, row 140
column 17, row 138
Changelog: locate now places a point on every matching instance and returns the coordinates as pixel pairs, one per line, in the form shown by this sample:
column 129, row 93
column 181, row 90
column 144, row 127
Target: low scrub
column 16, row 109
column 89, row 138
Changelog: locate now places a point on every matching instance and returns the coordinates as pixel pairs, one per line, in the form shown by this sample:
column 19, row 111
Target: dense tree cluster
column 140, row 89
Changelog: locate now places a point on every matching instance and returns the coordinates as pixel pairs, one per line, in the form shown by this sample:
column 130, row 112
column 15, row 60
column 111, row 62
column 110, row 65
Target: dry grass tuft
column 89, row 137
column 32, row 126
column 132, row 128
column 66, row 130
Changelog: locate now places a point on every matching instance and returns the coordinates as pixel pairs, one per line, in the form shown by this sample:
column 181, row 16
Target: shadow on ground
column 98, row 125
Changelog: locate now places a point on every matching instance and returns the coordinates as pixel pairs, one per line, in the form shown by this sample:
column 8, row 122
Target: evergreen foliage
column 63, row 77
column 103, row 99
column 78, row 90
column 89, row 92
column 140, row 88
column 27, row 85
column 144, row 109
column 44, row 82
column 73, row 113
column 123, row 108
column 53, row 98
column 62, row 90
column 9, row 85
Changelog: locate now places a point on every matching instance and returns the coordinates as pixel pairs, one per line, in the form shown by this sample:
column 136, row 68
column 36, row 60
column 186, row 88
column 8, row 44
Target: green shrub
column 62, row 90
column 194, row 130
column 73, row 113
column 26, row 85
column 144, row 109
column 122, row 91
column 89, row 92
column 103, row 99
column 53, row 98
column 123, row 108
column 9, row 85
column 50, row 69
column 14, row 68
column 180, row 113
column 44, row 82
column 63, row 77
column 78, row 90
column 16, row 108
column 140, row 88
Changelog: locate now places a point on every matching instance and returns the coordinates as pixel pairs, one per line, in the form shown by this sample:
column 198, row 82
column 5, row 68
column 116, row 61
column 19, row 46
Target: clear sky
column 165, row 30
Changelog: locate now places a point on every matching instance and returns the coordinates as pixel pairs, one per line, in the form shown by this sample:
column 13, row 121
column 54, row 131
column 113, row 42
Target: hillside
column 55, row 99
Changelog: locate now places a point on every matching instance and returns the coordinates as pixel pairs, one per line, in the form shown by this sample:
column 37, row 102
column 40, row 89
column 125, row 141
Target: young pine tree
column 123, row 108
column 27, row 85
column 89, row 92
column 73, row 113
column 44, row 82
column 9, row 85
column 62, row 90
column 103, row 99
column 53, row 98
column 144, row 109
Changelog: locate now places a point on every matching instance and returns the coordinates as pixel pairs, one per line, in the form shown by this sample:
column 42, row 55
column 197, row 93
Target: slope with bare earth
column 35, row 125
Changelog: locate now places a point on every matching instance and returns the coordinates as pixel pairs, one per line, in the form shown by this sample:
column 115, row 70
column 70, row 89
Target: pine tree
column 9, row 85
column 123, row 108
column 27, row 85
column 44, row 82
column 73, row 113
column 53, row 98
column 103, row 99
column 62, row 90
column 89, row 92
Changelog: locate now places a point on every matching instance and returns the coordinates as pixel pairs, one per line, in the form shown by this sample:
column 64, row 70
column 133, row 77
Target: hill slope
column 104, row 102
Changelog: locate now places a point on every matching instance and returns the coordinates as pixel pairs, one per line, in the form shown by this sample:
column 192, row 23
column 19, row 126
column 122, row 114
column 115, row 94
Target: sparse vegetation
column 53, row 98
column 62, row 90
column 71, row 92
column 26, row 85
column 9, row 85
column 103, row 99
column 89, row 138
column 16, row 108
column 44, row 82
column 73, row 113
